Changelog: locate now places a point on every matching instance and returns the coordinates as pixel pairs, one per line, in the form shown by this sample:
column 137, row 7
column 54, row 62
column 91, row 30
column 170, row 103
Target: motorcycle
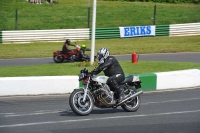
column 95, row 92
column 60, row 56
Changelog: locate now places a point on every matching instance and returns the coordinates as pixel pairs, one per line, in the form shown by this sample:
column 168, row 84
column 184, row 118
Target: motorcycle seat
column 131, row 79
column 127, row 79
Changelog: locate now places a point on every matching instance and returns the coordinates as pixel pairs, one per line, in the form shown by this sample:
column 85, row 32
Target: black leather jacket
column 110, row 67
column 82, row 56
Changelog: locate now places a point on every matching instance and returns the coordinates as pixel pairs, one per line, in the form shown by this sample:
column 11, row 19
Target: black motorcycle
column 95, row 92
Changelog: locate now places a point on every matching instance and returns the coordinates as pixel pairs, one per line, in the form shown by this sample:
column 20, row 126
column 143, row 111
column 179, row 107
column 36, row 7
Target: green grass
column 116, row 46
column 67, row 14
column 73, row 69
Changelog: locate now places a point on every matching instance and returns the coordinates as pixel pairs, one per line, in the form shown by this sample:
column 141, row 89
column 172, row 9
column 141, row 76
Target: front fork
column 86, row 90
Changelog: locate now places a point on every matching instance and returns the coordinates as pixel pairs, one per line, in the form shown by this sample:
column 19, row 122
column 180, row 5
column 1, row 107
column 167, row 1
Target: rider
column 81, row 55
column 65, row 47
column 111, row 68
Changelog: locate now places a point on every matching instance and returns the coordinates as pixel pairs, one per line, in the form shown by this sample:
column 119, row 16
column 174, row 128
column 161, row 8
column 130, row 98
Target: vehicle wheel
column 58, row 59
column 132, row 104
column 78, row 106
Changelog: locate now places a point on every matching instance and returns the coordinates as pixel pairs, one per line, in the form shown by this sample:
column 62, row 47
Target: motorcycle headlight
column 81, row 76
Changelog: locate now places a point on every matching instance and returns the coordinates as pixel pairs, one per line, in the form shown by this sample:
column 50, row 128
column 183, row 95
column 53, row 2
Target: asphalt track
column 160, row 112
column 172, row 57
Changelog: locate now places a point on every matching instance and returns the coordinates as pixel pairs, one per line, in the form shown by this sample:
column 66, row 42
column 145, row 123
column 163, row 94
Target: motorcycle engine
column 107, row 94
column 104, row 96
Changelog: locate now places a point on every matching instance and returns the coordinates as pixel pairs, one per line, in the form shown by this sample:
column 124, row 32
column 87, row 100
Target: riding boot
column 114, row 85
column 119, row 96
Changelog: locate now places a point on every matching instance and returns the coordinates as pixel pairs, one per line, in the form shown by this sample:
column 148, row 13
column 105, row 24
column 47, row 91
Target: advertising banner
column 134, row 31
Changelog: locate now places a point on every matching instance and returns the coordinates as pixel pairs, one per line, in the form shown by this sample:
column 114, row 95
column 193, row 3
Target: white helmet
column 102, row 54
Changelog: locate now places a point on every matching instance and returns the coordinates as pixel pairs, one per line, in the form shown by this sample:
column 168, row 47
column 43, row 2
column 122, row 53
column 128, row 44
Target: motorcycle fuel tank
column 101, row 79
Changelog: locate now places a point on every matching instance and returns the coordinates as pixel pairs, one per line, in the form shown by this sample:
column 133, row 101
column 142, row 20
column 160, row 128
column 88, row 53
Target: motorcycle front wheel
column 132, row 104
column 77, row 104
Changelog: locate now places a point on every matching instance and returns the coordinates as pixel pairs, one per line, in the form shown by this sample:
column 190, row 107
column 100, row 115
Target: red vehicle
column 59, row 56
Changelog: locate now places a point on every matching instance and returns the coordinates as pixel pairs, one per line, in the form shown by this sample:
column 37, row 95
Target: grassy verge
column 73, row 69
column 116, row 46
column 67, row 14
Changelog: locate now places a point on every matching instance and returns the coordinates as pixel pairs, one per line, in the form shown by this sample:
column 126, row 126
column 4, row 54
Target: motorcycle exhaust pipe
column 132, row 96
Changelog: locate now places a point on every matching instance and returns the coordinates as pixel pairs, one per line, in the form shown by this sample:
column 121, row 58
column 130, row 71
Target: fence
column 185, row 29
column 0, row 36
column 162, row 30
column 85, row 34
column 106, row 33
column 44, row 35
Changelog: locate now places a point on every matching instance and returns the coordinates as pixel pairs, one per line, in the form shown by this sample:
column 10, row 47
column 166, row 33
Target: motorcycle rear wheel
column 78, row 106
column 132, row 104
column 58, row 59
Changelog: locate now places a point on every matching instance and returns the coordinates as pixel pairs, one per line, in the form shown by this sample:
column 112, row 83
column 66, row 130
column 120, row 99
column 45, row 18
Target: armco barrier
column 0, row 36
column 189, row 29
column 66, row 84
column 162, row 30
column 17, row 36
column 44, row 35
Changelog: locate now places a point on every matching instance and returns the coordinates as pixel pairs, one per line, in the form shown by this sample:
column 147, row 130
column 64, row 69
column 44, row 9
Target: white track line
column 6, row 113
column 94, row 119
column 176, row 89
column 181, row 100
column 41, row 112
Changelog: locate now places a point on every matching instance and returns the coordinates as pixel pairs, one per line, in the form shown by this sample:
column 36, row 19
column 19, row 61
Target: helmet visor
column 99, row 56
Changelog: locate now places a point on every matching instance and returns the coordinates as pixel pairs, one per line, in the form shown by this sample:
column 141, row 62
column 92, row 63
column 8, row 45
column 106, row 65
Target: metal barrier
column 188, row 29
column 85, row 34
column 162, row 30
column 44, row 35
column 106, row 33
